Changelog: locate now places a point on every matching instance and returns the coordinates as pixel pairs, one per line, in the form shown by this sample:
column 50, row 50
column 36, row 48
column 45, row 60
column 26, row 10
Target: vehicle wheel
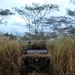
column 23, row 70
column 50, row 69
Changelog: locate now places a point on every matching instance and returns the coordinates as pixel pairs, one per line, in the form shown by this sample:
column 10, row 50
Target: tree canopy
column 3, row 14
column 35, row 14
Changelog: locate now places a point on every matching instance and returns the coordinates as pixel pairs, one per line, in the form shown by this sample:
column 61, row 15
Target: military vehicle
column 36, row 57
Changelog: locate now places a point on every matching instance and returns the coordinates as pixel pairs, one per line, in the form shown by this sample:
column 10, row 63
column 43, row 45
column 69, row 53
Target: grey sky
column 8, row 4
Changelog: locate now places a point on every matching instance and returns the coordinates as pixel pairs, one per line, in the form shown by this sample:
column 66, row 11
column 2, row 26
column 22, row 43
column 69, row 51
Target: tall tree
column 33, row 15
column 3, row 14
column 71, row 13
column 58, row 25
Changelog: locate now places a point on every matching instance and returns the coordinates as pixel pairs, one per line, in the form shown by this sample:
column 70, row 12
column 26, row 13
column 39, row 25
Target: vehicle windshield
column 37, row 51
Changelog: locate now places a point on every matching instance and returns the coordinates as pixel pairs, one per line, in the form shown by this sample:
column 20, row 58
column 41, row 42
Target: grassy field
column 62, row 56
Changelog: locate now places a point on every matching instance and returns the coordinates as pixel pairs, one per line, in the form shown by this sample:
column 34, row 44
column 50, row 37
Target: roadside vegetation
column 62, row 56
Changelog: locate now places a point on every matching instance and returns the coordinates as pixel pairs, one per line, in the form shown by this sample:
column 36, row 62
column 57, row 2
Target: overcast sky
column 8, row 4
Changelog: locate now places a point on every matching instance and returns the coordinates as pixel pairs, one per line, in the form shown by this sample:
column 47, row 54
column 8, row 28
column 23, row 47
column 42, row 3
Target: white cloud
column 61, row 2
column 29, row 2
column 18, row 19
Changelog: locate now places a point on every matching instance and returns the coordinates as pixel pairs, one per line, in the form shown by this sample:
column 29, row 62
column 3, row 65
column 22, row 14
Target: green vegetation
column 62, row 56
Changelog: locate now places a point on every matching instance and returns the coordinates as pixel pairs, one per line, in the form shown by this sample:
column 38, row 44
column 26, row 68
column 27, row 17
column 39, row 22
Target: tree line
column 41, row 24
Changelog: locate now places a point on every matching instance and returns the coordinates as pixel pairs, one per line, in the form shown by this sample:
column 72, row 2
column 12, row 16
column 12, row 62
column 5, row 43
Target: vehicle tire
column 23, row 70
column 50, row 69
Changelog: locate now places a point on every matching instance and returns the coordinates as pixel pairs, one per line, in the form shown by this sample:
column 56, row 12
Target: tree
column 73, row 1
column 10, row 36
column 72, row 14
column 58, row 25
column 3, row 14
column 34, row 15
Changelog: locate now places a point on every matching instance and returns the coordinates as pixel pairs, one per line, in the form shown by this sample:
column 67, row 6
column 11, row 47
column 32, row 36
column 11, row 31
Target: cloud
column 29, row 2
column 18, row 19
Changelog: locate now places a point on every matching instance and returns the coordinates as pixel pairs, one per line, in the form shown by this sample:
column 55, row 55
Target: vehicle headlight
column 36, row 59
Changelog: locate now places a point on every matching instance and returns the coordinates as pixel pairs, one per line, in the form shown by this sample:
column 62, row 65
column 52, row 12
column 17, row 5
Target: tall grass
column 62, row 56
column 10, row 52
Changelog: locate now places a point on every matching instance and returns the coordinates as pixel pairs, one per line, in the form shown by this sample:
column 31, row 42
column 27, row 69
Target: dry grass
column 9, row 56
column 62, row 56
